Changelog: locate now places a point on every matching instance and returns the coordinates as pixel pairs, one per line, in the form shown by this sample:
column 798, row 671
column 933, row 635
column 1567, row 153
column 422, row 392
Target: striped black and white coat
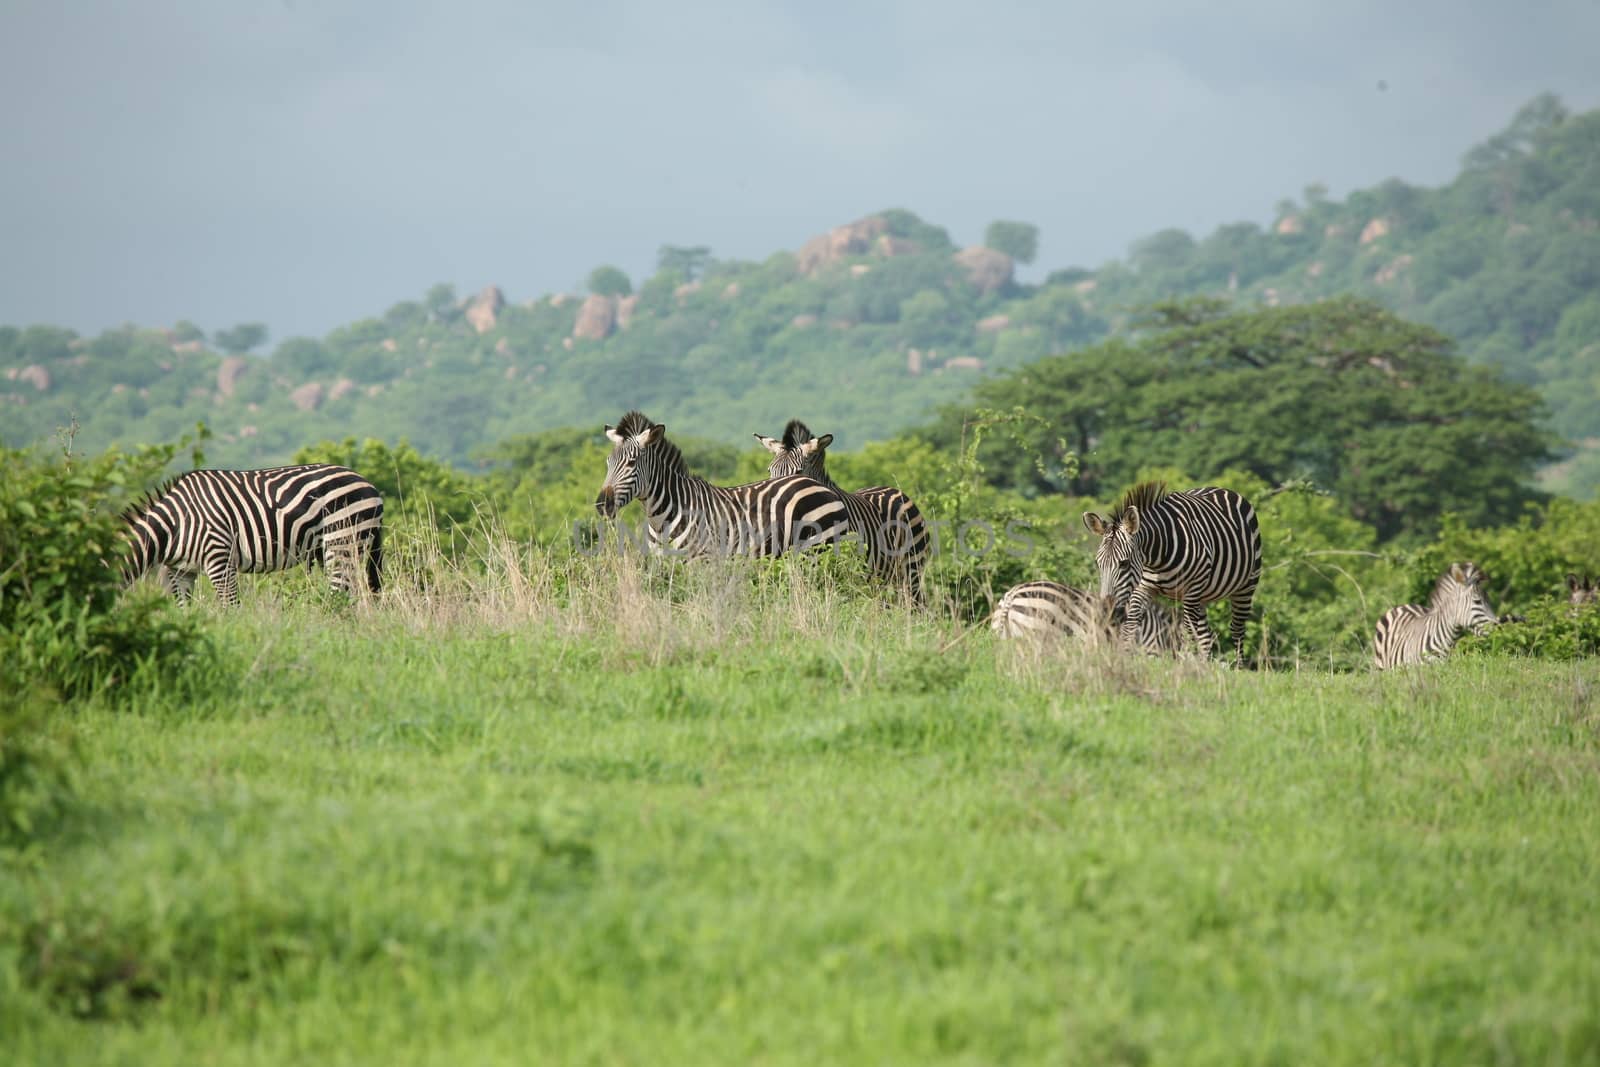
column 1196, row 547
column 1412, row 633
column 887, row 521
column 687, row 515
column 222, row 523
column 1050, row 609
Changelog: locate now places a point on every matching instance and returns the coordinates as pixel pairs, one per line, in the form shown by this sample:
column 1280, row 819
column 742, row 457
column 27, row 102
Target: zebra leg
column 1194, row 620
column 1240, row 615
column 179, row 584
column 224, row 577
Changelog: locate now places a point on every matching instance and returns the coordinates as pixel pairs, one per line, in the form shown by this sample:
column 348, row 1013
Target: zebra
column 689, row 516
column 1582, row 592
column 1413, row 634
column 223, row 522
column 1043, row 608
column 1196, row 546
column 886, row 520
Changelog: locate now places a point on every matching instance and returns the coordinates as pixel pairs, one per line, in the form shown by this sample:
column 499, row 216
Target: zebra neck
column 670, row 492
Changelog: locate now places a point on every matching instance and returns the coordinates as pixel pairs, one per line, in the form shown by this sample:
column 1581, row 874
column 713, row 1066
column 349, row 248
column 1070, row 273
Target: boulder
column 730, row 291
column 964, row 363
column 852, row 239
column 994, row 323
column 987, row 269
column 683, row 292
column 803, row 321
column 858, row 269
column 890, row 246
column 913, row 362
column 1289, row 224
column 389, row 344
column 1374, row 230
column 596, row 318
column 36, row 375
column 248, row 431
column 625, row 309
column 189, row 347
column 483, row 310
column 307, row 397
column 229, row 371
column 341, row 389
column 1391, row 270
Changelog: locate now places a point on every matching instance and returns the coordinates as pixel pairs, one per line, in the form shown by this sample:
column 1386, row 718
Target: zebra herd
column 1195, row 547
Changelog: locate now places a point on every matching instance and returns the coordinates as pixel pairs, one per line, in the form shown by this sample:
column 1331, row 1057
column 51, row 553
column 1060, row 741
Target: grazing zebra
column 1584, row 592
column 885, row 519
column 1035, row 609
column 1195, row 547
column 222, row 523
column 1413, row 634
column 688, row 515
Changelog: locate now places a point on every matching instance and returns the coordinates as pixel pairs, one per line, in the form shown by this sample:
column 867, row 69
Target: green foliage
column 1019, row 240
column 1527, row 562
column 609, row 281
column 1548, row 629
column 685, row 262
column 1340, row 393
column 242, row 338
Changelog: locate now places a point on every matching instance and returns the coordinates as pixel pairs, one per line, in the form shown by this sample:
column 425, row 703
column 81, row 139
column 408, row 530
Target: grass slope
column 725, row 822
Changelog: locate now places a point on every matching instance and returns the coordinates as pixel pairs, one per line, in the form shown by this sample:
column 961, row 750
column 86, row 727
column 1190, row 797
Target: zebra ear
column 817, row 444
column 1095, row 523
column 1130, row 520
column 653, row 434
column 824, row 441
column 1459, row 573
column 1574, row 583
column 613, row 436
column 772, row 444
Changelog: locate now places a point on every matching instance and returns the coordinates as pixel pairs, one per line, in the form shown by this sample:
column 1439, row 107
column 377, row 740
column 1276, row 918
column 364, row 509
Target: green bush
column 1549, row 630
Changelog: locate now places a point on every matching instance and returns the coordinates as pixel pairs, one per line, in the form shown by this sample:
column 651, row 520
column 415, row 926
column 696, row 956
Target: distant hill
column 865, row 330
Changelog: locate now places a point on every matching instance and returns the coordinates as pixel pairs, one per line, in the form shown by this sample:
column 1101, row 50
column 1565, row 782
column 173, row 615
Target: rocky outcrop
column 307, row 397
column 913, row 362
column 34, row 374
column 229, row 371
column 963, row 363
column 1374, row 230
column 625, row 309
column 341, row 389
column 683, row 292
column 1288, row 225
column 889, row 246
column 596, row 318
column 803, row 321
column 994, row 323
column 1391, row 270
column 483, row 310
column 841, row 242
column 188, row 348
column 987, row 269
column 389, row 344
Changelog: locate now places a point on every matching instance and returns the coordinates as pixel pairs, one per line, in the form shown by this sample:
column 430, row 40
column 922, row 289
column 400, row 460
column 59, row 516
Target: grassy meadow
column 593, row 813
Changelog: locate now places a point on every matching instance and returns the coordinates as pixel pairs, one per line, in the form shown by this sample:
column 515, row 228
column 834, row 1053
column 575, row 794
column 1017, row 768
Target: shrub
column 1549, row 629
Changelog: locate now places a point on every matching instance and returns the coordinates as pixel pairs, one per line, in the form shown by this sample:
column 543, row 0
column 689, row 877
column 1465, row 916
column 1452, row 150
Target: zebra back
column 888, row 522
column 1411, row 633
column 224, row 522
column 688, row 515
column 1045, row 608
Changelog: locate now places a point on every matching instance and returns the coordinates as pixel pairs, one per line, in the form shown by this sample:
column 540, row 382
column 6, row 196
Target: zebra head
column 1459, row 599
column 798, row 452
column 631, row 439
column 1118, row 555
column 1583, row 591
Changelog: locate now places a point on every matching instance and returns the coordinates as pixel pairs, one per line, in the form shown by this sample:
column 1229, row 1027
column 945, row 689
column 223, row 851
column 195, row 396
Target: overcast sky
column 309, row 162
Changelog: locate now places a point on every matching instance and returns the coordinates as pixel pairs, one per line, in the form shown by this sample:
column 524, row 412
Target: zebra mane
column 637, row 422
column 1448, row 581
column 796, row 434
column 633, row 424
column 140, row 506
column 1143, row 496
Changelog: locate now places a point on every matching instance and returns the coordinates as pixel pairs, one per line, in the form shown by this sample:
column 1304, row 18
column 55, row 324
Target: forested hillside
column 865, row 330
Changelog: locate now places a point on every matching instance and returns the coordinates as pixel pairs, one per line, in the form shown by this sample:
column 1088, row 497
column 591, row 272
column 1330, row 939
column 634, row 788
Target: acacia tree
column 242, row 338
column 1019, row 240
column 609, row 281
column 1341, row 393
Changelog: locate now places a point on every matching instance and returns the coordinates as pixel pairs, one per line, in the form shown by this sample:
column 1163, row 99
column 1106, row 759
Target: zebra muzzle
column 606, row 503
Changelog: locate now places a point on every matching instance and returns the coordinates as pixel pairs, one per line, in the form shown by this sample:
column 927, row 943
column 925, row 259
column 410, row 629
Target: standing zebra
column 1035, row 609
column 690, row 516
column 1413, row 634
column 1582, row 592
column 1196, row 547
column 222, row 523
column 885, row 519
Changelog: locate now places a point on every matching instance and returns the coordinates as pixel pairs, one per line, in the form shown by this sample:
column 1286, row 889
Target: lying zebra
column 1413, row 634
column 1048, row 609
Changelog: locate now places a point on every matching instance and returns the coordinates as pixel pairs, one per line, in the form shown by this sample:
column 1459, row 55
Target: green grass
column 733, row 826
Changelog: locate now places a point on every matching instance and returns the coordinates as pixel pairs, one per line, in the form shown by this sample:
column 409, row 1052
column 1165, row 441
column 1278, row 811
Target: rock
column 1270, row 296
column 511, row 374
column 913, row 362
column 1373, row 230
column 483, row 310
column 1088, row 285
column 841, row 242
column 248, row 431
column 1391, row 270
column 625, row 309
column 994, row 323
column 683, row 292
column 890, row 246
column 986, row 269
column 1332, row 230
column 502, row 347
column 119, row 389
column 730, row 291
column 229, row 371
column 389, row 344
column 964, row 363
column 566, row 342
column 858, row 269
column 374, row 390
column 341, row 389
column 1289, row 224
column 37, row 375
column 596, row 318
column 189, row 347
column 803, row 321
column 307, row 397
column 1314, row 270
column 557, row 299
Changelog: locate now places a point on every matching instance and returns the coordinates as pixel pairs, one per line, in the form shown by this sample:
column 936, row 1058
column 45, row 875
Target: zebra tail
column 375, row 562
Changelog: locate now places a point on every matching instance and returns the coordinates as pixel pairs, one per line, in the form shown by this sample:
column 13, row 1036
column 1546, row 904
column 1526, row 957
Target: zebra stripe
column 1195, row 547
column 1048, row 609
column 1413, row 634
column 889, row 524
column 221, row 523
column 1582, row 592
column 689, row 516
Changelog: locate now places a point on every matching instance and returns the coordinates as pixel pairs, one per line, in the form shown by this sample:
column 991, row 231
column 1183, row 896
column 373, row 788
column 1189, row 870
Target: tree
column 1169, row 249
column 1341, row 393
column 609, row 281
column 1019, row 240
column 687, row 261
column 187, row 331
column 242, row 338
column 440, row 301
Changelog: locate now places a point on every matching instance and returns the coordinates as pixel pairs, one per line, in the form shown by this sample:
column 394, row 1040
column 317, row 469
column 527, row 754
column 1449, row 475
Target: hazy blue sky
column 307, row 163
